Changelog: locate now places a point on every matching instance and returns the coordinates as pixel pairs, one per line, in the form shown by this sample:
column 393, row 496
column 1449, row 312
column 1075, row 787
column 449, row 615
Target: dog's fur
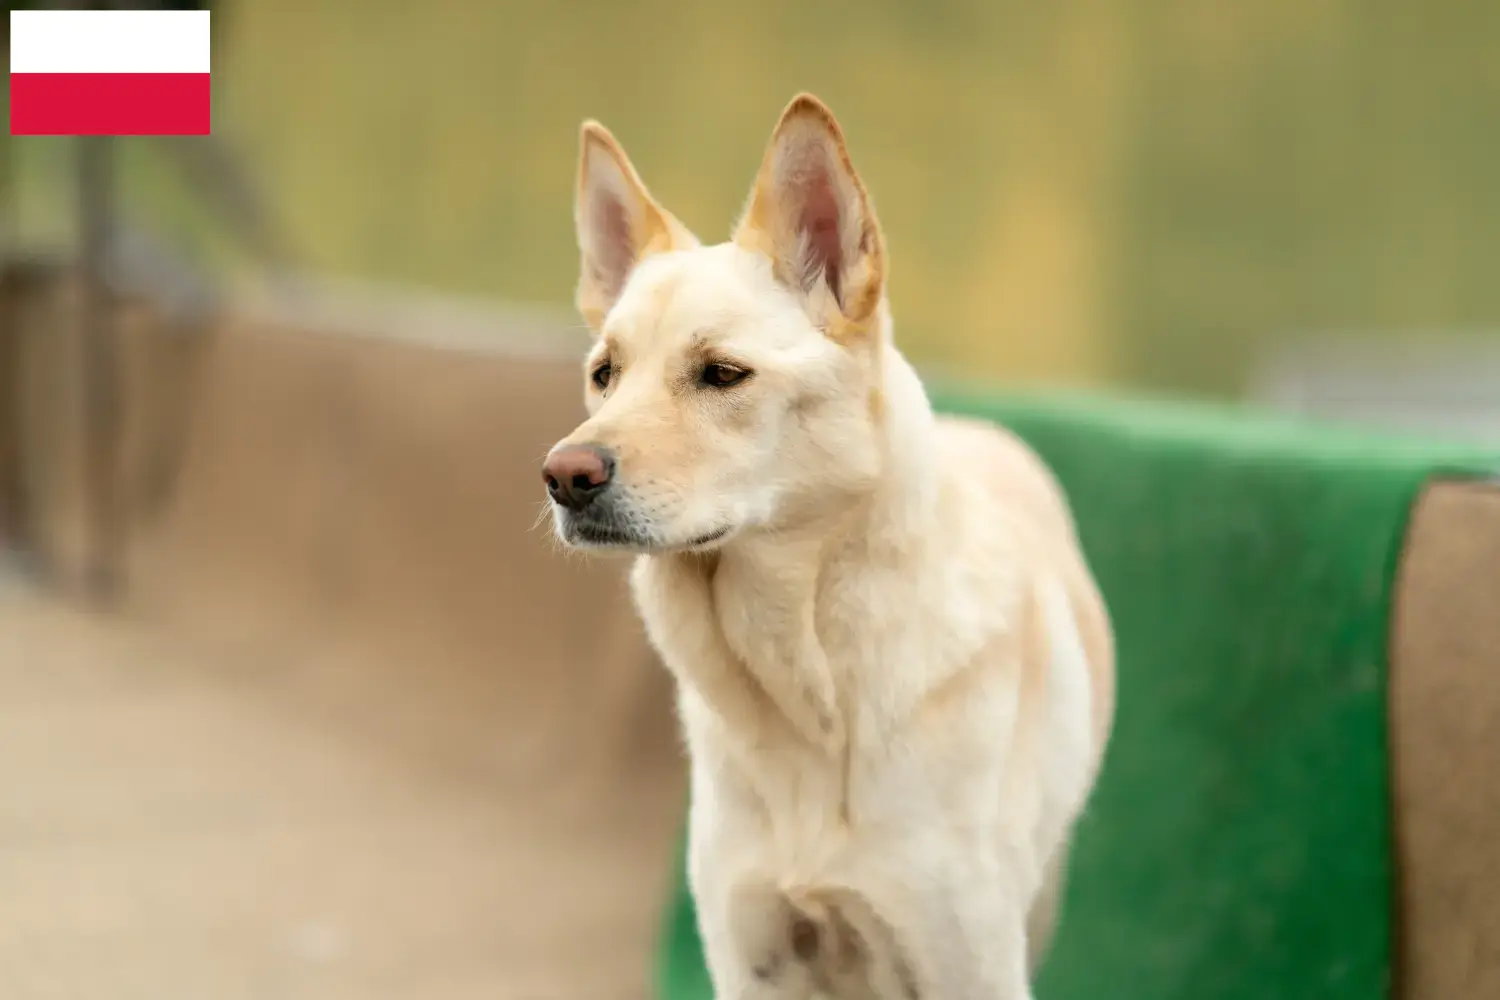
column 896, row 674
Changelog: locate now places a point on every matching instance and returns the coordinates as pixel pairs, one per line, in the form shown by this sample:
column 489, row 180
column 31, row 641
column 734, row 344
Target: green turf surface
column 1237, row 846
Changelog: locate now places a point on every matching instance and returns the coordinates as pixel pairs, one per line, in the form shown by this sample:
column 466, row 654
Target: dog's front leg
column 818, row 944
column 748, row 944
column 832, row 944
column 676, row 599
column 971, row 944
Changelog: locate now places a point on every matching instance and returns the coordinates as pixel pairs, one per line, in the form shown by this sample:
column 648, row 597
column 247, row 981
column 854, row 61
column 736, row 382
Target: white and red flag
column 109, row 72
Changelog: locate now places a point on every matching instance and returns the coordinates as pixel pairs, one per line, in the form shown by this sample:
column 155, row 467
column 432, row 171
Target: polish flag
column 109, row 72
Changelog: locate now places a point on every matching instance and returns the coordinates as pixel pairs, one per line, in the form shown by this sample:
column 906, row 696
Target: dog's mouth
column 705, row 540
column 588, row 533
column 598, row 535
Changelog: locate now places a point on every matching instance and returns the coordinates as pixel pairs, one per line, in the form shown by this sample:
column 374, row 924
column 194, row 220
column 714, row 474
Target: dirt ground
column 179, row 823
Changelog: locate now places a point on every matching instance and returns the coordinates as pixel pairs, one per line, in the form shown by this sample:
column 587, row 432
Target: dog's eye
column 722, row 376
column 601, row 375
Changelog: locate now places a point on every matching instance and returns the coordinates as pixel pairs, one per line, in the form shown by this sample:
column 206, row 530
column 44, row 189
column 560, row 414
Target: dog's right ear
column 618, row 222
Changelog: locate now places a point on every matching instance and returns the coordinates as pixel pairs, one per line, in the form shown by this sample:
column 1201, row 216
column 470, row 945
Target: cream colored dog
column 896, row 674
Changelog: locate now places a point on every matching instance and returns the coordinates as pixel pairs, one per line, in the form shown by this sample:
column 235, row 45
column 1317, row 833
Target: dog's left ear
column 809, row 213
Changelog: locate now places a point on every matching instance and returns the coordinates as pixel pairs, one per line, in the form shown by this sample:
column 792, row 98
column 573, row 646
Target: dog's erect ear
column 618, row 221
column 810, row 214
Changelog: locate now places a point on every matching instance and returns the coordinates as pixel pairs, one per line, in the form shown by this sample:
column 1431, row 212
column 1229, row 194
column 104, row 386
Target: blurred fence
column 1148, row 192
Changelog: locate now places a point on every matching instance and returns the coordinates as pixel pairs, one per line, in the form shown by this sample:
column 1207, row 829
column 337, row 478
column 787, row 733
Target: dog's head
column 730, row 388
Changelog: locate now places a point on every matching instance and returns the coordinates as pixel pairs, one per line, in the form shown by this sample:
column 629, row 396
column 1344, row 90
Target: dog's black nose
column 577, row 474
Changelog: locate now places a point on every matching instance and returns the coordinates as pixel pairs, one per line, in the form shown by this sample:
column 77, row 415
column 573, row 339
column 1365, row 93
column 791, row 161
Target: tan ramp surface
column 358, row 731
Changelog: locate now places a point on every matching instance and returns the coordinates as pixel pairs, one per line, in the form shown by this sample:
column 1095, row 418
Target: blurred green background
column 1149, row 193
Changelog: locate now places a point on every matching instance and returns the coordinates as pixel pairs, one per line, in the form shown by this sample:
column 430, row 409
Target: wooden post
column 95, row 160
column 13, row 528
